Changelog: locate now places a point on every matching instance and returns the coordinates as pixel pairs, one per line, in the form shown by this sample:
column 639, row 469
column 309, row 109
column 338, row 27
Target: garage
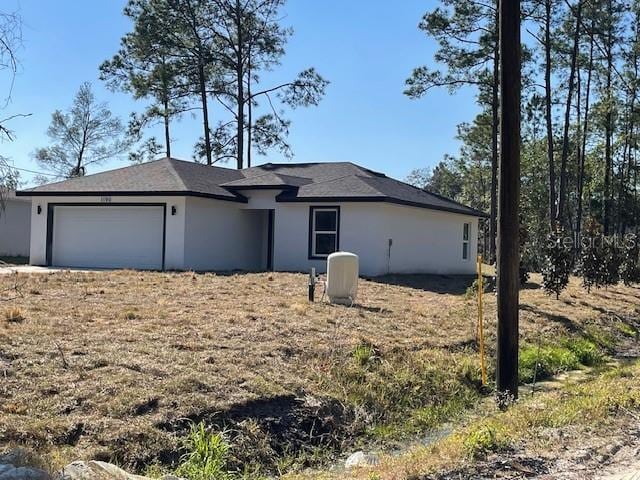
column 106, row 236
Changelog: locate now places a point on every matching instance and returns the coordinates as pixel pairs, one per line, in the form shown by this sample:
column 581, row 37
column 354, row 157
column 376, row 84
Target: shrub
column 591, row 255
column 611, row 262
column 630, row 268
column 14, row 315
column 471, row 292
column 206, row 458
column 557, row 262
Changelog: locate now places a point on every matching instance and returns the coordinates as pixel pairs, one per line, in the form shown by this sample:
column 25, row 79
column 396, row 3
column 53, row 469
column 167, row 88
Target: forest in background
column 580, row 118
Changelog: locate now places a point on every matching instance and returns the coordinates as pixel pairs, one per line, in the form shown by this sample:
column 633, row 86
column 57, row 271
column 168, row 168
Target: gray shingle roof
column 301, row 182
column 164, row 176
column 267, row 180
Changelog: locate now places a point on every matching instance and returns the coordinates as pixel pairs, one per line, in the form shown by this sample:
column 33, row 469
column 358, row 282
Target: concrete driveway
column 10, row 269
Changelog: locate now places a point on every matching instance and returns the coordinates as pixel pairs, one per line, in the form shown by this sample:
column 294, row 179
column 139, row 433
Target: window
column 466, row 234
column 324, row 228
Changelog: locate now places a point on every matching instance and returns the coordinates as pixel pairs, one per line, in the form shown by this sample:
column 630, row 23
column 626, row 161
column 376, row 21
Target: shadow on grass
column 530, row 286
column 563, row 320
column 443, row 284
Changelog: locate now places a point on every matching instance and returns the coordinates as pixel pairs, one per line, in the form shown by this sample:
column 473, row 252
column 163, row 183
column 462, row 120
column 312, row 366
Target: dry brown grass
column 14, row 315
column 104, row 360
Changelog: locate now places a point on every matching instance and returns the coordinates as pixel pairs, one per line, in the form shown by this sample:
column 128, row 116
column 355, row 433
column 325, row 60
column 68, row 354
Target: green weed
column 484, row 439
column 586, row 351
column 540, row 362
column 365, row 354
column 207, row 456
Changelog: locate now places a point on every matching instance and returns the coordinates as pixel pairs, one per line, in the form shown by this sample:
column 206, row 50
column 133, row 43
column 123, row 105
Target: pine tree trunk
column 240, row 93
column 166, row 114
column 167, row 136
column 205, row 111
column 629, row 142
column 249, row 108
column 608, row 130
column 562, row 194
column 626, row 160
column 495, row 124
column 585, row 130
column 548, row 100
column 607, row 151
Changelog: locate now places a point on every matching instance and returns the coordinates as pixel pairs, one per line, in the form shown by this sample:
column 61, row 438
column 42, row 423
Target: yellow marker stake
column 483, row 368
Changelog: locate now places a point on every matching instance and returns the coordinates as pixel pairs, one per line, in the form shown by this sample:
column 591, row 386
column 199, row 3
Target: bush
column 630, row 268
column 591, row 255
column 611, row 262
column 488, row 285
column 557, row 262
column 206, row 457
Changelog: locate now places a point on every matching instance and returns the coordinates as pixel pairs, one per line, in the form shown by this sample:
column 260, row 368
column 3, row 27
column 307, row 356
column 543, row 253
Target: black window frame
column 466, row 241
column 312, row 210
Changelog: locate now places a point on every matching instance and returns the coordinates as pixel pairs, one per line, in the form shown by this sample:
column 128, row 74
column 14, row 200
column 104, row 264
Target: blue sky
column 366, row 48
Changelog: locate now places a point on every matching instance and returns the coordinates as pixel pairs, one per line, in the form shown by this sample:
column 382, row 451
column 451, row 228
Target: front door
column 270, row 219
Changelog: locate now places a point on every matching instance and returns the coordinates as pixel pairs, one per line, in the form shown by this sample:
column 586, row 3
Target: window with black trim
column 324, row 231
column 466, row 234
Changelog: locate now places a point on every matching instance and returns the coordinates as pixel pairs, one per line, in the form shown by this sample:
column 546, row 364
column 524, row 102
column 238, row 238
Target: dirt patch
column 264, row 431
column 579, row 455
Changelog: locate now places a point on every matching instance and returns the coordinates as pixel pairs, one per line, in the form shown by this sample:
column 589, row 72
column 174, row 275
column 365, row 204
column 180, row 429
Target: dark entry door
column 270, row 239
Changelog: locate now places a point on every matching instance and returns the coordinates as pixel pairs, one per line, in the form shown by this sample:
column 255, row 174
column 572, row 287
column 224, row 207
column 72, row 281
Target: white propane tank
column 342, row 277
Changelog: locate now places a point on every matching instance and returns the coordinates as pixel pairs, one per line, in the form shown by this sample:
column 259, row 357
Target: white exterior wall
column 424, row 241
column 222, row 235
column 209, row 234
column 174, row 240
column 15, row 227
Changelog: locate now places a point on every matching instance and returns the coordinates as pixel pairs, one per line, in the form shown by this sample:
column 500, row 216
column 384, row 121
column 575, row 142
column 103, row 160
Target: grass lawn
column 118, row 365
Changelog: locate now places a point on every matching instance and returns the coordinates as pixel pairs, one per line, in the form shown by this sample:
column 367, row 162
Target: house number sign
column 105, row 199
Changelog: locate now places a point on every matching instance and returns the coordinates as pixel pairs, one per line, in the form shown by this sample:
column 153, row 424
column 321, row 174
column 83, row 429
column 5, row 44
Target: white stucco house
column 177, row 215
column 15, row 225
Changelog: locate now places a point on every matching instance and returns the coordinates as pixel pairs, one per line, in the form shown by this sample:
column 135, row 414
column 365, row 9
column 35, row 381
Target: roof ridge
column 190, row 162
column 368, row 170
column 286, row 164
column 345, row 176
column 175, row 173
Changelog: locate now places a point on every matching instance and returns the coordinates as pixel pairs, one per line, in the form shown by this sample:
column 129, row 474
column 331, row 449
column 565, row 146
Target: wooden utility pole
column 508, row 282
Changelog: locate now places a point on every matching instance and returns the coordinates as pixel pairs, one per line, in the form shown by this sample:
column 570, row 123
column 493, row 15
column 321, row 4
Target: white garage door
column 108, row 236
